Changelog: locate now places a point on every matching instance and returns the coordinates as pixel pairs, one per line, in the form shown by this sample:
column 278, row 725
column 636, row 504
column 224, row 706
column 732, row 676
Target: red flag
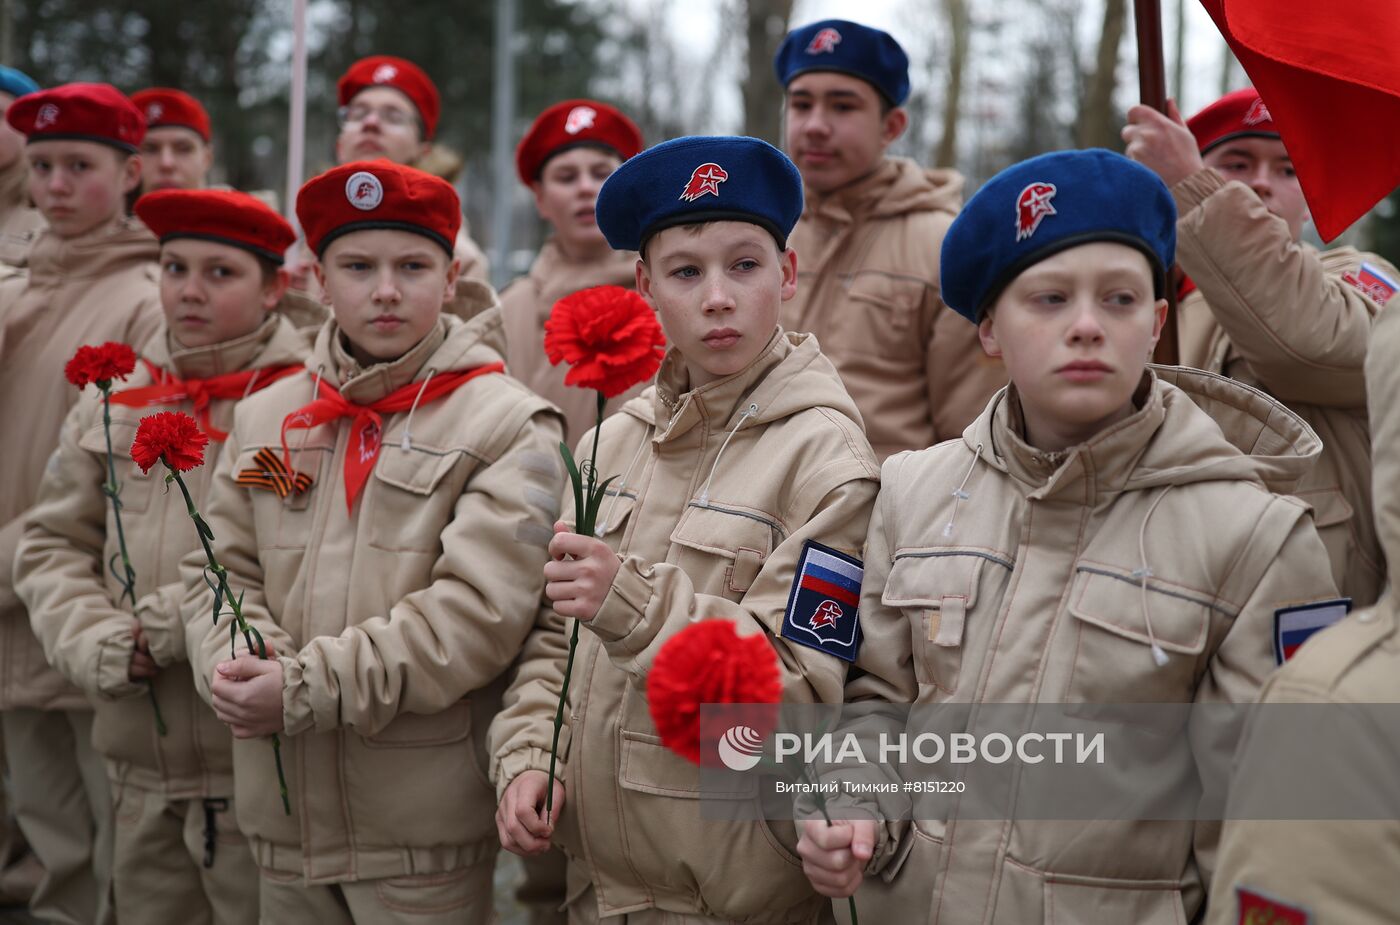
column 1331, row 79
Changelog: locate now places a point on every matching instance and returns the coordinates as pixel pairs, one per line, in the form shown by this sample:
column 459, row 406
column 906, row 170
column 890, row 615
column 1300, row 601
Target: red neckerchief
column 366, row 428
column 170, row 389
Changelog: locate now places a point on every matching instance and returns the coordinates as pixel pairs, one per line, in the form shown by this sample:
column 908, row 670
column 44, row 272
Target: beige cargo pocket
column 282, row 523
column 136, row 486
column 728, row 542
column 880, row 317
column 938, row 589
column 1114, row 661
column 1083, row 900
column 409, row 504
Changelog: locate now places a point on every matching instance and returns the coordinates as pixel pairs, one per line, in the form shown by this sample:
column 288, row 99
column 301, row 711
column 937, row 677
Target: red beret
column 225, row 216
column 365, row 195
column 1241, row 114
column 404, row 76
column 79, row 112
column 570, row 124
column 164, row 107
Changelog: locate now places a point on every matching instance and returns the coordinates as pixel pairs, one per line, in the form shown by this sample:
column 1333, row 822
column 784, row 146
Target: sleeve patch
column 823, row 609
column 1294, row 626
column 1256, row 908
column 1371, row 280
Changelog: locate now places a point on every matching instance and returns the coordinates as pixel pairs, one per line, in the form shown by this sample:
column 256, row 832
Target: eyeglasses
column 387, row 115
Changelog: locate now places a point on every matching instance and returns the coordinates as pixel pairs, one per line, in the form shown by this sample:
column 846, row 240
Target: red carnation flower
column 100, row 364
column 608, row 335
column 708, row 662
column 172, row 436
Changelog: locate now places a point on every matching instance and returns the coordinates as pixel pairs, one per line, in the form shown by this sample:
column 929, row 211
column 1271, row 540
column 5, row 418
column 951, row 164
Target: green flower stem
column 127, row 578
column 585, row 516
column 820, row 799
column 256, row 645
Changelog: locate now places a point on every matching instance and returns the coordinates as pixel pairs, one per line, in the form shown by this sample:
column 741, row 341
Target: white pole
column 296, row 132
column 502, row 144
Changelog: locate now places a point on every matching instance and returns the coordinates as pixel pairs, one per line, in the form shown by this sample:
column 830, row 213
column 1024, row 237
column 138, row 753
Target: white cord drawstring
column 961, row 494
column 749, row 412
column 406, row 443
column 602, row 528
column 252, row 380
column 1143, row 573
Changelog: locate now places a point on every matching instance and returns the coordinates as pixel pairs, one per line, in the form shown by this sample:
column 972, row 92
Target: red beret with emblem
column 1241, row 114
column 570, row 124
column 225, row 216
column 404, row 76
column 79, row 112
column 164, row 107
column 368, row 195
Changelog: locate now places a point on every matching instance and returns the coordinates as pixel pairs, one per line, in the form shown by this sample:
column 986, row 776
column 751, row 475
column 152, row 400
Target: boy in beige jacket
column 564, row 158
column 1264, row 307
column 92, row 278
column 20, row 222
column 744, row 461
column 385, row 514
column 1104, row 533
column 179, row 856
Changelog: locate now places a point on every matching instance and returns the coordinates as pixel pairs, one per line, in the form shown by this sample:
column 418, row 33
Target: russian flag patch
column 1372, row 281
column 823, row 609
column 1293, row 626
column 1255, row 907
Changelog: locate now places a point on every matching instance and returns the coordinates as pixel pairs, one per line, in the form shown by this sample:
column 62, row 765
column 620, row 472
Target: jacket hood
column 1192, row 426
column 96, row 254
column 790, row 376
column 275, row 342
column 897, row 187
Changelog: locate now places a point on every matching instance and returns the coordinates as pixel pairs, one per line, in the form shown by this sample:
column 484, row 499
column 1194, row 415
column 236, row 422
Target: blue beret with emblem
column 847, row 48
column 1039, row 207
column 700, row 179
column 16, row 83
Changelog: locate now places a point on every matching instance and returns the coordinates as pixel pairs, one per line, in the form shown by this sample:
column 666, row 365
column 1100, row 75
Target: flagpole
column 296, row 132
column 1152, row 91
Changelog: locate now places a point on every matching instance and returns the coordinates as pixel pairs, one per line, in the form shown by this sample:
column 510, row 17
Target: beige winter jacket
column 526, row 304
column 20, row 222
column 393, row 622
column 704, row 531
column 1281, row 317
column 1031, row 597
column 74, row 599
column 87, row 290
column 1335, row 871
column 867, row 286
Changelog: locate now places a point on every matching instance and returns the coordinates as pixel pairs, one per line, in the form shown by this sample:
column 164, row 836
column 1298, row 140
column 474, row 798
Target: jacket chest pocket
column 1135, row 645
column 136, row 486
column 880, row 317
column 723, row 546
column 939, row 590
column 280, row 522
column 413, row 497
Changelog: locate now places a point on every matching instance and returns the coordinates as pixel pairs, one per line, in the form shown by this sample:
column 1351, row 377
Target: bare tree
column 959, row 28
column 767, row 23
column 1098, row 124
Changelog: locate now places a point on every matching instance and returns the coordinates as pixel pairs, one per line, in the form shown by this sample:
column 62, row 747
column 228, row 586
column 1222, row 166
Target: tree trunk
column 958, row 38
column 1097, row 125
column 767, row 22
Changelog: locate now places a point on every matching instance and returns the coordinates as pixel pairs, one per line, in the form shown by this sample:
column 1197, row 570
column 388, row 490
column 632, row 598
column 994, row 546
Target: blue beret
column 16, row 83
column 1047, row 204
column 700, row 179
column 847, row 48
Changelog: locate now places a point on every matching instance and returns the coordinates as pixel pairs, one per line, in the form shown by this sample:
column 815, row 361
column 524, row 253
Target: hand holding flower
column 248, row 696
column 142, row 667
column 520, row 818
column 581, row 575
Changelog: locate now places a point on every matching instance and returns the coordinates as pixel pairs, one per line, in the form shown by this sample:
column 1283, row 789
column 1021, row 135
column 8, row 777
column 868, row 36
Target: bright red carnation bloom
column 172, row 435
column 708, row 662
column 100, row 364
column 608, row 335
